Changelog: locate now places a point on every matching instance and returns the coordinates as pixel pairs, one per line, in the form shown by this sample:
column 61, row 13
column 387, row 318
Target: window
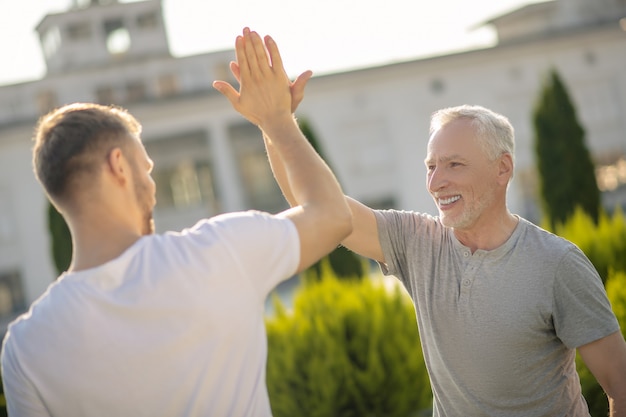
column 135, row 91
column 105, row 95
column 117, row 37
column 437, row 86
column 51, row 41
column 12, row 300
column 187, row 183
column 182, row 172
column 260, row 188
column 148, row 20
column 78, row 31
column 112, row 25
column 222, row 72
column 167, row 85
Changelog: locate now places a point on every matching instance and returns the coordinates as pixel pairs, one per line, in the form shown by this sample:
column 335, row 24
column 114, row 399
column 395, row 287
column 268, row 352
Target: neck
column 491, row 235
column 98, row 241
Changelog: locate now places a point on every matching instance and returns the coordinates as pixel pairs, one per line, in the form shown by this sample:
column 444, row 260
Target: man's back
column 174, row 326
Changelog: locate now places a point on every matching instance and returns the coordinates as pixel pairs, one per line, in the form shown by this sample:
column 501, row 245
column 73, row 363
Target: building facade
column 372, row 123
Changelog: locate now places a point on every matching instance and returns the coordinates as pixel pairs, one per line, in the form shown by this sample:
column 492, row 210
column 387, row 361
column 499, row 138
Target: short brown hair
column 72, row 140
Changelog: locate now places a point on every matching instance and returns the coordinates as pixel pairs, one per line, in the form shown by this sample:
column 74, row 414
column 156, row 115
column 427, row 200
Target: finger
column 256, row 53
column 262, row 57
column 240, row 53
column 228, row 91
column 297, row 89
column 302, row 80
column 234, row 69
column 272, row 49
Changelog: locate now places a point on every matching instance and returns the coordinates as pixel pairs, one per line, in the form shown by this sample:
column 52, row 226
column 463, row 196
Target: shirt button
column 466, row 254
column 466, row 282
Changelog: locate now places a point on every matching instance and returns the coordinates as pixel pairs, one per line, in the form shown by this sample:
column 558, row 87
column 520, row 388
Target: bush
column 616, row 290
column 60, row 240
column 604, row 243
column 348, row 348
column 593, row 393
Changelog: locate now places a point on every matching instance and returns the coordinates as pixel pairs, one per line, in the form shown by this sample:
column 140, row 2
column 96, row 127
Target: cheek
column 152, row 189
column 152, row 184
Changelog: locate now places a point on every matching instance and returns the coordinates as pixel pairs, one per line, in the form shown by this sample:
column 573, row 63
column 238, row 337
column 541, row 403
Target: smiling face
column 461, row 178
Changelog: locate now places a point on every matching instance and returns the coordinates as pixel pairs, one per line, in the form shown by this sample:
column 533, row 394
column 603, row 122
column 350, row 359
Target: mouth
column 448, row 201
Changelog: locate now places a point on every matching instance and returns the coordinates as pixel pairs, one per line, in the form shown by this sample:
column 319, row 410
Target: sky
column 321, row 35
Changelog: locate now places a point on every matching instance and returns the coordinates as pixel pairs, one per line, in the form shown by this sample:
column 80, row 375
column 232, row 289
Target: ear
column 505, row 168
column 117, row 166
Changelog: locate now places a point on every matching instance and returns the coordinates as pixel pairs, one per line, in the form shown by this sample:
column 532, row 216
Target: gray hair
column 494, row 130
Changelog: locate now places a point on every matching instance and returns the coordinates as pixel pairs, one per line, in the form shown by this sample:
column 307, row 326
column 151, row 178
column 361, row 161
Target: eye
column 455, row 164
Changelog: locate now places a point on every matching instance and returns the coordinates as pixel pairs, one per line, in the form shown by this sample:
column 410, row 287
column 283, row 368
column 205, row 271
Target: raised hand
column 297, row 86
column 265, row 93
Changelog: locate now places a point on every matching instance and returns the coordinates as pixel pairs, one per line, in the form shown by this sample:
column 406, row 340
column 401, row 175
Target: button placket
column 467, row 280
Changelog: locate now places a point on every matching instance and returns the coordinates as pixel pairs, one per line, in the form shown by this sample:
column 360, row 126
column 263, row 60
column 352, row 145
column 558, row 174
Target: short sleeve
column 390, row 225
column 21, row 396
column 265, row 247
column 582, row 311
column 406, row 237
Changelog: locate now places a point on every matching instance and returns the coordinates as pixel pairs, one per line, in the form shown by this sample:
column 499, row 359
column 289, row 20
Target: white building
column 372, row 123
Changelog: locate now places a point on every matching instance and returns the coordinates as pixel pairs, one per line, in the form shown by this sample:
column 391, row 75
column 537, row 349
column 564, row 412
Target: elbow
column 343, row 219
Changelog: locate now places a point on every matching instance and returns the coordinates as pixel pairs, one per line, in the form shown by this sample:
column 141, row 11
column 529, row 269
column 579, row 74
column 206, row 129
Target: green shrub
column 60, row 240
column 3, row 400
column 593, row 393
column 604, row 243
column 616, row 290
column 347, row 348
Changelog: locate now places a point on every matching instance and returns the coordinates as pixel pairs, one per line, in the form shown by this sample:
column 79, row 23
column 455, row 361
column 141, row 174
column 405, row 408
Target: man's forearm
column 295, row 162
column 278, row 169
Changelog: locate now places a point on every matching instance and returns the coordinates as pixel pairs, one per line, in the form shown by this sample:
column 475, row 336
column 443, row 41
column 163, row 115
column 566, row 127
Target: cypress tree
column 566, row 171
column 343, row 262
column 60, row 240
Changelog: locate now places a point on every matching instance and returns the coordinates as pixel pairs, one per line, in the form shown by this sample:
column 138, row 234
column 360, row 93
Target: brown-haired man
column 163, row 325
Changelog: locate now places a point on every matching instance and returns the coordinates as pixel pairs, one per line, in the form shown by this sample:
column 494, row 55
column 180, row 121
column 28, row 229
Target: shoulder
column 544, row 241
column 225, row 235
column 407, row 217
column 411, row 222
column 547, row 249
column 244, row 224
column 33, row 324
column 242, row 219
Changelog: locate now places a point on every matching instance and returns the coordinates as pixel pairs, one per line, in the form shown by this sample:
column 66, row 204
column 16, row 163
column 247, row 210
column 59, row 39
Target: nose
column 436, row 180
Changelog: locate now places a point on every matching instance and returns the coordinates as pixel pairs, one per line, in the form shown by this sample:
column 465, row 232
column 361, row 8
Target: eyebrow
column 444, row 159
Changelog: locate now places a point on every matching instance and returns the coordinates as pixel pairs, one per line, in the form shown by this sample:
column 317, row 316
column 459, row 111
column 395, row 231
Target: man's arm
column 321, row 216
column 364, row 237
column 606, row 359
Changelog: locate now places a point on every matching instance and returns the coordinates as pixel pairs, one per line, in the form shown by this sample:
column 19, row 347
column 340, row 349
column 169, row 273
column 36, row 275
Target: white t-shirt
column 173, row 327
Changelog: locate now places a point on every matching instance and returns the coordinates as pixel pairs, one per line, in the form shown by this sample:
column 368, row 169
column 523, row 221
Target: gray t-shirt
column 498, row 328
